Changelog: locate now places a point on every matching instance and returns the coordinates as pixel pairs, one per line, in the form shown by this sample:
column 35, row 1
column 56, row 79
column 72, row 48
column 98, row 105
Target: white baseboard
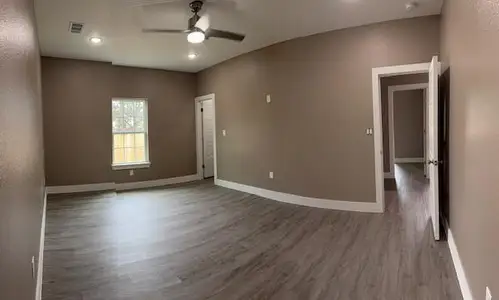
column 111, row 186
column 155, row 183
column 389, row 175
column 68, row 189
column 301, row 200
column 409, row 160
column 458, row 265
column 39, row 271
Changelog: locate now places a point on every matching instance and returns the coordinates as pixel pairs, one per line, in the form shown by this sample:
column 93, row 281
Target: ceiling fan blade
column 224, row 35
column 154, row 30
column 204, row 22
column 222, row 4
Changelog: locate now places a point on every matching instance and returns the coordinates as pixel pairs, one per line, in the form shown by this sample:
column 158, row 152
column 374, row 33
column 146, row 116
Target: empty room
column 230, row 149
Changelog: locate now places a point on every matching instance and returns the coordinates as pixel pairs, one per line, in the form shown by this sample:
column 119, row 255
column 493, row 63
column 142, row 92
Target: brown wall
column 385, row 83
column 470, row 47
column 21, row 149
column 77, row 114
column 312, row 135
column 408, row 109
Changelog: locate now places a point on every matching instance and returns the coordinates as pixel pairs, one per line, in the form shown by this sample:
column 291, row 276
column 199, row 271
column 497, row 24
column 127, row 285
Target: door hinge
column 203, row 166
column 202, row 110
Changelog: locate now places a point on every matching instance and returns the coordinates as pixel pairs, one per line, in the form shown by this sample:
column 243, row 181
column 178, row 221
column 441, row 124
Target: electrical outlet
column 488, row 295
column 271, row 175
column 132, row 173
column 268, row 99
column 224, row 133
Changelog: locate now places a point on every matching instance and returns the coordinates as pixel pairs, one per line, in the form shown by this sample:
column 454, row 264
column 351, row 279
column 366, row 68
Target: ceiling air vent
column 75, row 27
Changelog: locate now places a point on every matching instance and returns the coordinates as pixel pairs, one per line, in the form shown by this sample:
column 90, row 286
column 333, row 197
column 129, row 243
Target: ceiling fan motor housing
column 196, row 6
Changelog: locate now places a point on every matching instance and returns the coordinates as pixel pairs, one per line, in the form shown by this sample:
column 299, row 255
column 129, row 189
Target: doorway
column 206, row 136
column 407, row 125
column 431, row 107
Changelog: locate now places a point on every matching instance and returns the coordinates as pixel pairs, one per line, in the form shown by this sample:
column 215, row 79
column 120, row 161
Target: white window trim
column 137, row 165
column 141, row 165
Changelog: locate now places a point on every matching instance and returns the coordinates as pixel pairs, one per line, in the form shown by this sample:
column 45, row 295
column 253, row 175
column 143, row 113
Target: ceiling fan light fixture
column 196, row 37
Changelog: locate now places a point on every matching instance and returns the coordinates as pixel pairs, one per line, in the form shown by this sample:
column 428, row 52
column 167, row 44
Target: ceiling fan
column 198, row 28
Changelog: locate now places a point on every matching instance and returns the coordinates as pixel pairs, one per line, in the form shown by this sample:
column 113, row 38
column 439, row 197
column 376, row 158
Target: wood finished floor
column 200, row 241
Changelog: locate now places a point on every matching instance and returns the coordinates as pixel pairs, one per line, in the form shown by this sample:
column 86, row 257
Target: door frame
column 391, row 120
column 199, row 135
column 377, row 74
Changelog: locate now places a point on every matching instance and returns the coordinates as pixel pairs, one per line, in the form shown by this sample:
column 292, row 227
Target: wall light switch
column 33, row 268
column 271, row 175
column 132, row 173
column 488, row 295
column 268, row 99
column 369, row 131
column 224, row 133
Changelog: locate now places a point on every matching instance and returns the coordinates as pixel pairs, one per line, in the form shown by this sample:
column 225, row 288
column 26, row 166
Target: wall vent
column 75, row 27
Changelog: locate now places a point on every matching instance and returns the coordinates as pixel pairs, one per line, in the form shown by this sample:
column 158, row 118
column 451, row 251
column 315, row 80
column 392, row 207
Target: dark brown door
column 443, row 145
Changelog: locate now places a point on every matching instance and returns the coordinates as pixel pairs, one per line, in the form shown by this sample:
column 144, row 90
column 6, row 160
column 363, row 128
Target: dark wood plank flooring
column 200, row 241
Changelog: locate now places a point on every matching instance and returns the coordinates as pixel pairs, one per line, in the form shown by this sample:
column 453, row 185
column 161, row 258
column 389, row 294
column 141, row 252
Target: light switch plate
column 33, row 268
column 269, row 99
column 224, row 133
column 488, row 295
column 271, row 175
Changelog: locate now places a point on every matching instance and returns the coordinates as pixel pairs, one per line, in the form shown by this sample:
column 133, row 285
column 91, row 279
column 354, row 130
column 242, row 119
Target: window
column 130, row 140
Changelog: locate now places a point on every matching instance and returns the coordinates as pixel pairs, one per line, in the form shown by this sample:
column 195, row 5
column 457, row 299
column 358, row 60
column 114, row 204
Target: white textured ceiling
column 264, row 22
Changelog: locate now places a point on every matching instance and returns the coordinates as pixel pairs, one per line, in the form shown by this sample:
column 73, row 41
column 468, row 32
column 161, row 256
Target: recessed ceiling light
column 96, row 40
column 192, row 55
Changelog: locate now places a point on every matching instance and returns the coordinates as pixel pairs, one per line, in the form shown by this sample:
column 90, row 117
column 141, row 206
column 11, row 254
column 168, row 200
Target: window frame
column 137, row 165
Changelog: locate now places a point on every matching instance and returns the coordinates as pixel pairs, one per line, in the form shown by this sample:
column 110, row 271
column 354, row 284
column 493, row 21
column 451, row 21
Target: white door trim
column 432, row 127
column 199, row 135
column 391, row 120
column 377, row 74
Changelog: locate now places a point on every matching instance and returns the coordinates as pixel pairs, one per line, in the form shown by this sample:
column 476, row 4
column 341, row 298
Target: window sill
column 142, row 165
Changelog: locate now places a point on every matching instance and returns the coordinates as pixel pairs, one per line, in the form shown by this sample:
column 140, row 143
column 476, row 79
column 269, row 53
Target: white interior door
column 433, row 160
column 208, row 142
column 425, row 131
